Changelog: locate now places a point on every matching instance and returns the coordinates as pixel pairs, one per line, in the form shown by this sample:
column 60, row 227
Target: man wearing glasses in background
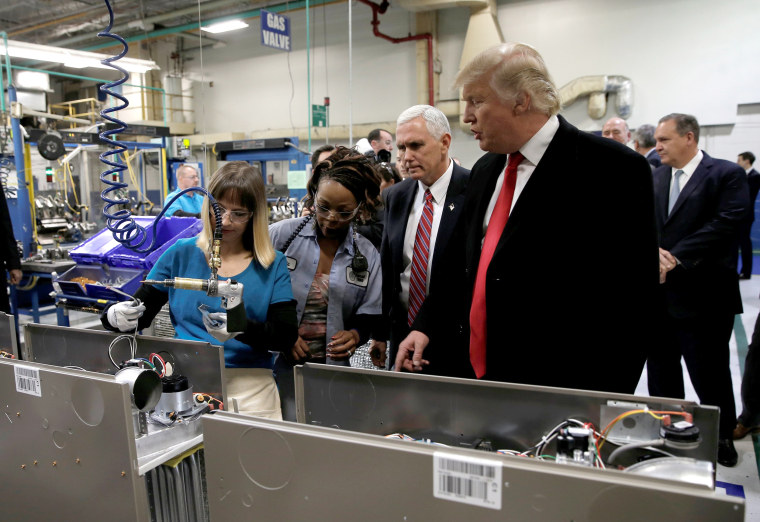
column 189, row 204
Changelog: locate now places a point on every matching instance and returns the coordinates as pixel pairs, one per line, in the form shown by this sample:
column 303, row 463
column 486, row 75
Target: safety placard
column 275, row 30
column 468, row 480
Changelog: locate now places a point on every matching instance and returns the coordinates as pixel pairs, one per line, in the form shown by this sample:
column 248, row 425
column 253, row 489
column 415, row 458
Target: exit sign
column 319, row 116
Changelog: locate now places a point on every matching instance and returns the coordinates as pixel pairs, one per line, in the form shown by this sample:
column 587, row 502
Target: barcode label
column 467, row 480
column 28, row 380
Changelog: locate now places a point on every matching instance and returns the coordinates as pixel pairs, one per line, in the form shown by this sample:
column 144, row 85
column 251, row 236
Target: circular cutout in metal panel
column 51, row 348
column 87, row 402
column 353, row 395
column 60, row 439
column 266, row 458
column 625, row 504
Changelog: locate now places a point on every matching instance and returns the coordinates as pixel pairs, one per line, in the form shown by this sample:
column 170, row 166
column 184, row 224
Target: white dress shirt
column 533, row 151
column 439, row 189
column 687, row 169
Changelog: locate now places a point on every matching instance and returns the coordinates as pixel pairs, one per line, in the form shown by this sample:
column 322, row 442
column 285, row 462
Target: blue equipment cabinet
column 264, row 151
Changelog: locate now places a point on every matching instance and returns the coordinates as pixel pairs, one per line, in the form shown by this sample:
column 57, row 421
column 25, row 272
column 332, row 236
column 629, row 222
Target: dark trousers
column 750, row 415
column 745, row 245
column 703, row 343
column 5, row 305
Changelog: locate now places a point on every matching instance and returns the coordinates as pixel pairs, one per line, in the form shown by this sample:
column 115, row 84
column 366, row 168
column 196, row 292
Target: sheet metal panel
column 275, row 471
column 202, row 363
column 457, row 412
column 8, row 340
column 68, row 454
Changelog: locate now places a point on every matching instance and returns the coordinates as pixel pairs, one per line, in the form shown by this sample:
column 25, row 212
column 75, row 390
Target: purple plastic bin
column 96, row 249
column 169, row 230
column 125, row 279
column 102, row 248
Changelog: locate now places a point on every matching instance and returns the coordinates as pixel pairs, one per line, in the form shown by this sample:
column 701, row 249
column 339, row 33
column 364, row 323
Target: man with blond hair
column 553, row 273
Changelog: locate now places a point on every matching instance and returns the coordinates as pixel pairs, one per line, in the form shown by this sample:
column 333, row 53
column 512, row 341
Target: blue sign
column 275, row 30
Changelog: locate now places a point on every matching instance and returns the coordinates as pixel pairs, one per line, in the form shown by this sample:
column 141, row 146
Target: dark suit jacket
column 701, row 233
column 8, row 250
column 571, row 286
column 753, row 180
column 398, row 204
column 653, row 158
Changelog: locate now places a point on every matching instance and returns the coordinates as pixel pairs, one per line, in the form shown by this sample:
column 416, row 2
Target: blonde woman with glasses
column 247, row 257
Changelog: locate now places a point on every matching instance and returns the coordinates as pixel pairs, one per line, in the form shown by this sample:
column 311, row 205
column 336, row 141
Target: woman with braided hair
column 334, row 271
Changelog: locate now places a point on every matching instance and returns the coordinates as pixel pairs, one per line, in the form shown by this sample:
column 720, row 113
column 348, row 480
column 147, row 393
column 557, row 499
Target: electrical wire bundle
column 538, row 450
column 597, row 439
column 403, row 436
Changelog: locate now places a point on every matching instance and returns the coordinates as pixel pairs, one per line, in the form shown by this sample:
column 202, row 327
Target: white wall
column 252, row 85
column 694, row 56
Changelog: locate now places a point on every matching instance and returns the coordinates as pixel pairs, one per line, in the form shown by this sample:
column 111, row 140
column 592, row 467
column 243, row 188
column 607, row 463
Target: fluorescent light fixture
column 223, row 27
column 71, row 57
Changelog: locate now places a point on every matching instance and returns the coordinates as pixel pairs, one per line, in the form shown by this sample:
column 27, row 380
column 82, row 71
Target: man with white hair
column 189, row 204
column 644, row 143
column 420, row 214
column 553, row 274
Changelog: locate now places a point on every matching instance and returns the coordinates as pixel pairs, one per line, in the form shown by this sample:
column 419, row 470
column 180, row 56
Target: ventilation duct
column 597, row 88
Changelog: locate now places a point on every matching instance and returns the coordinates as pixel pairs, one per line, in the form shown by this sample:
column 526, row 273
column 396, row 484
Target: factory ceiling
column 75, row 24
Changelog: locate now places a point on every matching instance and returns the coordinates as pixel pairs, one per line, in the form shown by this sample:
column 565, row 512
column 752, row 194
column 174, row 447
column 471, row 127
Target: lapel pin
column 451, row 207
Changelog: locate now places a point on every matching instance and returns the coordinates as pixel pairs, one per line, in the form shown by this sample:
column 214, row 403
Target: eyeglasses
column 339, row 215
column 236, row 216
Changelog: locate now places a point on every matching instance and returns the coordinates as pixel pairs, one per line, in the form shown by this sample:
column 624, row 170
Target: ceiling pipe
column 153, row 19
column 255, row 13
column 596, row 88
column 42, row 25
column 382, row 8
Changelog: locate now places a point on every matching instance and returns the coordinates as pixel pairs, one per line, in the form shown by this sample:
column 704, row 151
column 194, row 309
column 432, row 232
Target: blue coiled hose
column 120, row 222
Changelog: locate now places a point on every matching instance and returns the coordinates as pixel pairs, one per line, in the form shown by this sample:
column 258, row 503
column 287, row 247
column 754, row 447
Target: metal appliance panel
column 274, row 471
column 202, row 363
column 457, row 412
column 69, row 453
column 8, row 339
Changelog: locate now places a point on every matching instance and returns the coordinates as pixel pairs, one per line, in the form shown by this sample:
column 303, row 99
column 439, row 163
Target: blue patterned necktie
column 675, row 190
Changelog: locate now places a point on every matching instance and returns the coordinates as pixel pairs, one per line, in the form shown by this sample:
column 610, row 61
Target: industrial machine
column 99, row 433
column 281, row 162
column 413, row 447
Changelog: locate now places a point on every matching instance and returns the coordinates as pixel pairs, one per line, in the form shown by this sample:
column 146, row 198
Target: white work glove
column 124, row 315
column 216, row 325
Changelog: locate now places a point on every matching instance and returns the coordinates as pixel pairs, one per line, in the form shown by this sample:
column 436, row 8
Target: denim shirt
column 349, row 294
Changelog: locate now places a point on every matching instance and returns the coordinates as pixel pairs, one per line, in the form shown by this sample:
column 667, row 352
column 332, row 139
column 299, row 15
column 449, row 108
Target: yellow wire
column 67, row 171
column 73, row 188
column 30, row 284
column 621, row 417
column 166, row 173
column 132, row 175
column 30, row 188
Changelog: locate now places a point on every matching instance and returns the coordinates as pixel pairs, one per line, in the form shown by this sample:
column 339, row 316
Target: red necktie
column 418, row 279
column 478, row 333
